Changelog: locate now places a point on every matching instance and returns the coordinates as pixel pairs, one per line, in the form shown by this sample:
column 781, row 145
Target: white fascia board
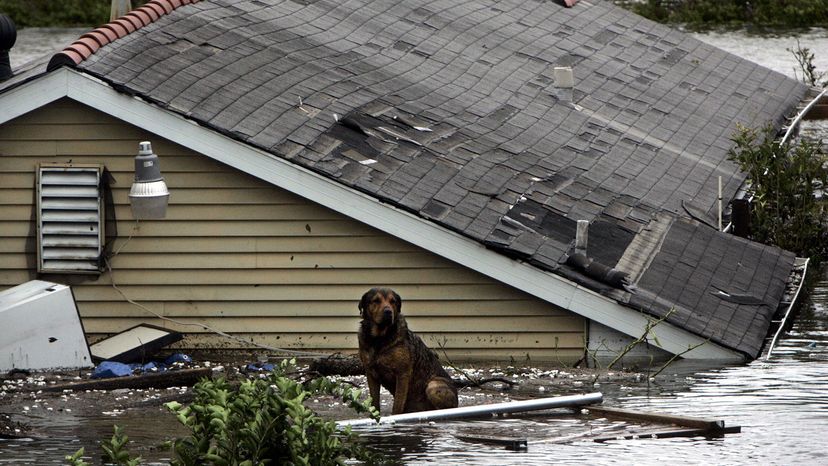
column 32, row 95
column 396, row 222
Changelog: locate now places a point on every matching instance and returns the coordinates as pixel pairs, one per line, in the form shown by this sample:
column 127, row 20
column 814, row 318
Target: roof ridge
column 90, row 42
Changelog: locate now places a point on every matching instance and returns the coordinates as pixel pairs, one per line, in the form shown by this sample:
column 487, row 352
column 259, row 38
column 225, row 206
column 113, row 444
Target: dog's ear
column 398, row 300
column 363, row 303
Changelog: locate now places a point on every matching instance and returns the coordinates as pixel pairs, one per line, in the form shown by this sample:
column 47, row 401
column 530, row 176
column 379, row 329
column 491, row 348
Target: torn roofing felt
column 450, row 110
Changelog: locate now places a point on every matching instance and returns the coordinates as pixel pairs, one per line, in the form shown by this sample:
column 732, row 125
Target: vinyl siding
column 251, row 259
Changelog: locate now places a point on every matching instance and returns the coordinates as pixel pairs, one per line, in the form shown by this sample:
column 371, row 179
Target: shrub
column 784, row 178
column 262, row 421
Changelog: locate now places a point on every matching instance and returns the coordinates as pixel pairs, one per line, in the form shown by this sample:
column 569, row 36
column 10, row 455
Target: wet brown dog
column 397, row 359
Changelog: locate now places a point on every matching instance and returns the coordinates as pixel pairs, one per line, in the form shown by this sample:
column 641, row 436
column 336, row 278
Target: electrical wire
column 293, row 353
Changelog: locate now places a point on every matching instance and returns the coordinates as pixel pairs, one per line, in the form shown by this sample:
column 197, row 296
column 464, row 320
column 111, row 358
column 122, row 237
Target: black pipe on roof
column 8, row 36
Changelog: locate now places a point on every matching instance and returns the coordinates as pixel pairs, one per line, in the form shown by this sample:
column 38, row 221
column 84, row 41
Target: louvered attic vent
column 70, row 219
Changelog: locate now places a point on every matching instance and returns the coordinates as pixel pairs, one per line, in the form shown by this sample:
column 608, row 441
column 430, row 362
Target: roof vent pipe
column 8, row 36
column 564, row 82
column 119, row 8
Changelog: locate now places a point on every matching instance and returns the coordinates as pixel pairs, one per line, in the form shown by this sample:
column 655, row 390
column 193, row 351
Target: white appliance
column 40, row 328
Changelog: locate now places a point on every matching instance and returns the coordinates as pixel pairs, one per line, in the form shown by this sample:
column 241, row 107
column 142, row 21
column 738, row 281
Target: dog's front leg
column 374, row 390
column 401, row 393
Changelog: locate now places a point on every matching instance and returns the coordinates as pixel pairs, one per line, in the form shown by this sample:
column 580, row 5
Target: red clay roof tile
column 100, row 38
column 163, row 4
column 116, row 28
column 126, row 24
column 90, row 42
column 151, row 12
column 141, row 16
column 109, row 33
column 81, row 49
column 132, row 19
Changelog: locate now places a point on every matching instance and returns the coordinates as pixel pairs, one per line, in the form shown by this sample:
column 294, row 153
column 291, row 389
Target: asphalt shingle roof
column 511, row 159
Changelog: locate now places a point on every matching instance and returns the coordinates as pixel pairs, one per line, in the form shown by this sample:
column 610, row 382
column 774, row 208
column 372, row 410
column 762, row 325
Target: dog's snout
column 387, row 312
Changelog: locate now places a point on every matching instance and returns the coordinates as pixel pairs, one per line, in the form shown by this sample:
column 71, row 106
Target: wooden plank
column 660, row 418
column 671, row 433
column 178, row 212
column 251, row 228
column 232, row 228
column 189, row 196
column 470, row 324
column 482, row 345
column 285, row 244
column 330, row 277
column 60, row 132
column 310, row 308
column 319, row 292
column 510, row 443
column 332, row 260
column 177, row 378
column 16, row 196
column 11, row 152
column 362, row 244
column 22, row 162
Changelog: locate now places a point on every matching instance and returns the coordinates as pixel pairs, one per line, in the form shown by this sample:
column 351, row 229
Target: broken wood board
column 177, row 378
column 658, row 418
column 510, row 443
column 671, row 433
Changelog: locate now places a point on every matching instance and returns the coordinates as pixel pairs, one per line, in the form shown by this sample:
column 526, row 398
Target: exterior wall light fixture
column 149, row 195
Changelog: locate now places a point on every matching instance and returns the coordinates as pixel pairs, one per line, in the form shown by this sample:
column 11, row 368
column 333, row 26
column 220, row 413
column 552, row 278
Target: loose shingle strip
column 90, row 42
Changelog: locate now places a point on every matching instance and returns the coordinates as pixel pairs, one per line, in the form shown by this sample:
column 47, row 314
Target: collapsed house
column 448, row 150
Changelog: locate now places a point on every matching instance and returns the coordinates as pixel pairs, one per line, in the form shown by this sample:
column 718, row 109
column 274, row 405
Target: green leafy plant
column 115, row 451
column 784, row 178
column 264, row 421
column 76, row 459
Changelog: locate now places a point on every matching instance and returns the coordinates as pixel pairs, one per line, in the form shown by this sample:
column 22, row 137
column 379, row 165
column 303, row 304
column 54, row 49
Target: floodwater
column 781, row 404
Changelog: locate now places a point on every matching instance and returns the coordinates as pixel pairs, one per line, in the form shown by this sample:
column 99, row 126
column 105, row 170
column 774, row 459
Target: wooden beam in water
column 672, row 433
column 658, row 418
column 177, row 378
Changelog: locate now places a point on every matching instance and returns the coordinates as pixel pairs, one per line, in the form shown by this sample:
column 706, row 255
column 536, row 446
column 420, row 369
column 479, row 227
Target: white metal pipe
column 802, row 114
column 481, row 410
column 788, row 311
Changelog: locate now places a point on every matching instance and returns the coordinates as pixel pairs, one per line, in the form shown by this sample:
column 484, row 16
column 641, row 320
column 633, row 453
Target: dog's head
column 381, row 307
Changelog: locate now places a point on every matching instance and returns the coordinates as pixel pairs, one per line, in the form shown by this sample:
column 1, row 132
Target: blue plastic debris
column 260, row 367
column 109, row 369
column 178, row 357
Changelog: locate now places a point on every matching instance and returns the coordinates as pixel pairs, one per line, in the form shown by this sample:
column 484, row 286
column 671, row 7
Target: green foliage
column 783, row 179
column 264, row 421
column 763, row 13
column 64, row 13
column 76, row 459
column 115, row 451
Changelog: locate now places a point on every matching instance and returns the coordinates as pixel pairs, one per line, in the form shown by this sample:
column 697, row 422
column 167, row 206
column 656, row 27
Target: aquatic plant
column 784, row 179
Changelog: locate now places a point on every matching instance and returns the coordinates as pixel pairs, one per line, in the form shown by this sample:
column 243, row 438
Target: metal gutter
column 801, row 114
column 784, row 320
